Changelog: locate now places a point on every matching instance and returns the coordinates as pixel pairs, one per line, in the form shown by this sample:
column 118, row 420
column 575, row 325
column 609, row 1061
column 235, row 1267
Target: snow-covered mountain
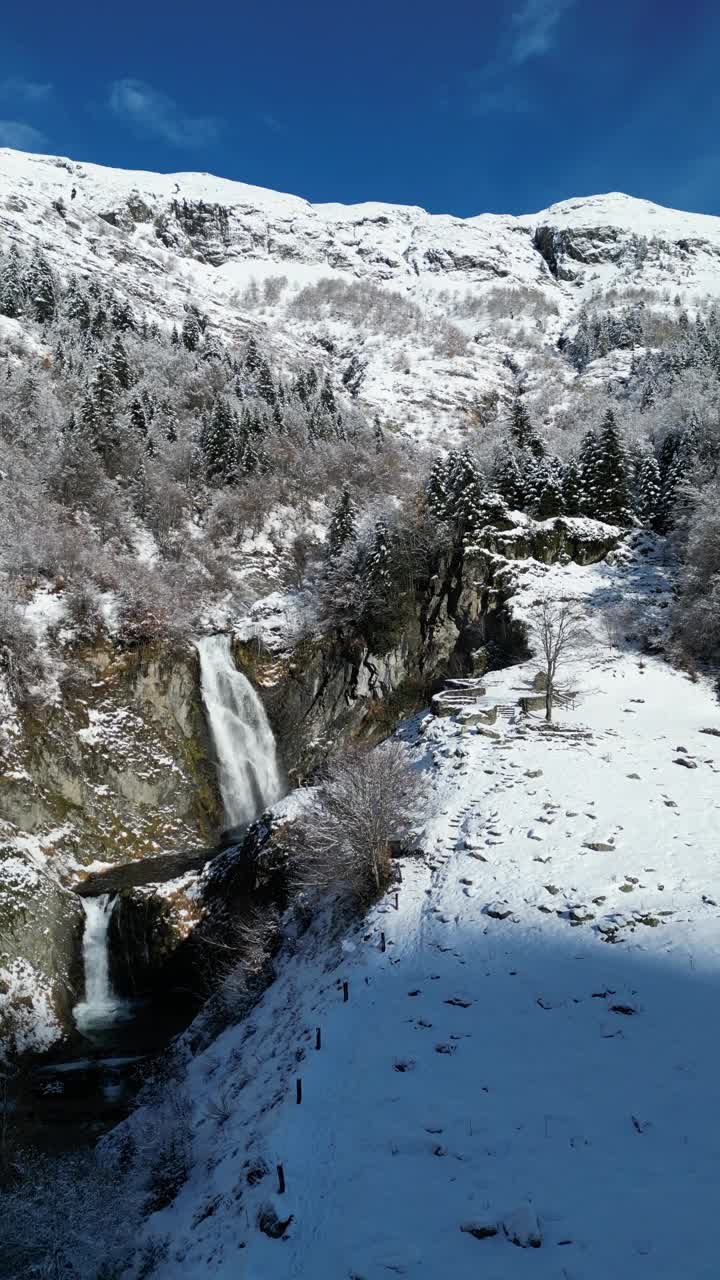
column 434, row 306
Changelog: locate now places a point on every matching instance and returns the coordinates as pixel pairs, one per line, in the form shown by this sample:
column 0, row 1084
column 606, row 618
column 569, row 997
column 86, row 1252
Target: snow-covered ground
column 534, row 1052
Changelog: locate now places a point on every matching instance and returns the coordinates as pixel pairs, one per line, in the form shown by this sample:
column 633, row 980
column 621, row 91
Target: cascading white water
column 248, row 772
column 101, row 1007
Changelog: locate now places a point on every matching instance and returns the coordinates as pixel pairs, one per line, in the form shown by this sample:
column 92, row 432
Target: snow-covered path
column 538, row 1040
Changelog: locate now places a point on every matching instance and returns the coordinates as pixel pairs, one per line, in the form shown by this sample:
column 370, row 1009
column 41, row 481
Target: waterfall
column 101, row 1007
column 248, row 773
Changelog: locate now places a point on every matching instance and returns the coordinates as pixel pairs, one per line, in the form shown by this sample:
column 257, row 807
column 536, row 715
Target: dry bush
column 368, row 800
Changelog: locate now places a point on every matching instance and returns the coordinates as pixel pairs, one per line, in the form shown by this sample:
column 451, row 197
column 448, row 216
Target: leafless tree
column 558, row 631
column 368, row 800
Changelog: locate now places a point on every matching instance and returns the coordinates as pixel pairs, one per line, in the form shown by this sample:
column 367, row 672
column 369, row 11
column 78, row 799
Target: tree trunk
column 549, row 702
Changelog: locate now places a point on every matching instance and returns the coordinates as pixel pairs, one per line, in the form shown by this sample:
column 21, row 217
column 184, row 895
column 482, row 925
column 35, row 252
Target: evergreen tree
column 120, row 362
column 138, row 420
column 12, row 293
column 522, row 433
column 612, row 494
column 467, row 493
column 509, row 481
column 327, row 397
column 42, row 290
column 343, row 523
column 353, row 375
column 548, row 490
column 122, row 316
column 437, row 489
column 587, row 467
column 378, row 577
column 265, row 385
column 105, row 387
column 572, row 488
column 219, row 439
column 253, row 359
column 76, row 305
column 191, row 329
column 648, row 492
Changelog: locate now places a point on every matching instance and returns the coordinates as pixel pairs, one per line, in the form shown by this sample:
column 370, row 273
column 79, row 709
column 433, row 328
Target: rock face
column 41, row 977
column 122, row 766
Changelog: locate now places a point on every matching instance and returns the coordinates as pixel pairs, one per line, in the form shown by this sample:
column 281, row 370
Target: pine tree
column 467, row 493
column 587, row 467
column 105, row 387
column 572, row 488
column 42, row 290
column 612, row 494
column 120, row 362
column 327, row 397
column 76, row 305
column 122, row 316
column 138, row 419
column 548, row 490
column 191, row 329
column 437, row 489
column 353, row 376
column 343, row 523
column 219, row 439
column 253, row 359
column 509, row 481
column 264, row 383
column 522, row 433
column 648, row 492
column 378, row 577
column 520, row 425
column 12, row 293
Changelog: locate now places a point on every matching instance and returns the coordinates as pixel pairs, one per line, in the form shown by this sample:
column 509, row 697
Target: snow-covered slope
column 530, row 1059
column 460, row 295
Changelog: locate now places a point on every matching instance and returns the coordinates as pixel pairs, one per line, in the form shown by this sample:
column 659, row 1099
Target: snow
column 436, row 261
column 532, row 1058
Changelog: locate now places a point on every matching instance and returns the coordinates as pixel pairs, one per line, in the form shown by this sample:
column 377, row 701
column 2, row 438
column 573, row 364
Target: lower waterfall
column 248, row 772
column 101, row 1007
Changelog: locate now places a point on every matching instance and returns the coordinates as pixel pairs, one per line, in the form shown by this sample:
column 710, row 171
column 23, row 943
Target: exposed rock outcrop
column 41, row 927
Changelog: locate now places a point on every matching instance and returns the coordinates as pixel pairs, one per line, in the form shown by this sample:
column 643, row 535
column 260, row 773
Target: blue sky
column 462, row 107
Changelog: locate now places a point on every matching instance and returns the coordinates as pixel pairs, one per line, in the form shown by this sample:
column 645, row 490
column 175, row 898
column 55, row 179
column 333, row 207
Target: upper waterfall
column 248, row 772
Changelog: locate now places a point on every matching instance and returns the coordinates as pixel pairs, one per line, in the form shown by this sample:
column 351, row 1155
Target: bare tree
column 559, row 631
column 368, row 800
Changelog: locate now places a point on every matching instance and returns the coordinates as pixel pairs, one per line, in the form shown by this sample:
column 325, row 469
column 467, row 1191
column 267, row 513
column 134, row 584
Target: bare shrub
column 344, row 840
column 558, row 630
column 72, row 1215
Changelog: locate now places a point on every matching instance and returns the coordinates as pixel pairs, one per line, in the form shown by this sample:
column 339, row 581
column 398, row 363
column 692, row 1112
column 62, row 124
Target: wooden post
column 281, row 1180
column 382, row 941
column 345, row 993
column 298, row 1091
column 397, row 901
column 318, row 1043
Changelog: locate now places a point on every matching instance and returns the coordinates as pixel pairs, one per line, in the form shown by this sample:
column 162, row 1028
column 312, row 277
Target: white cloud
column 532, row 33
column 23, row 90
column 14, row 133
column 151, row 111
column 534, row 29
